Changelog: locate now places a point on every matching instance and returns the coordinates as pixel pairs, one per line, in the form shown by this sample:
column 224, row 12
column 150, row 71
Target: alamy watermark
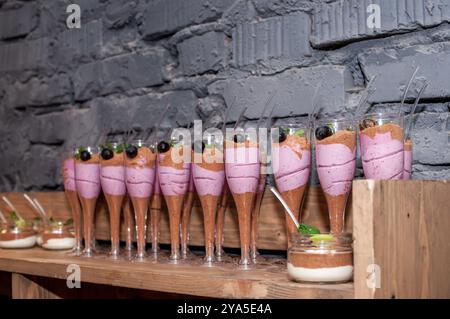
column 74, row 276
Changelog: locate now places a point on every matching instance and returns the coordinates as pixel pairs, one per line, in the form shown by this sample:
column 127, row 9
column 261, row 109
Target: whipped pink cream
column 69, row 174
column 242, row 169
column 382, row 156
column 87, row 178
column 140, row 181
column 290, row 170
column 113, row 179
column 208, row 182
column 174, row 181
column 336, row 167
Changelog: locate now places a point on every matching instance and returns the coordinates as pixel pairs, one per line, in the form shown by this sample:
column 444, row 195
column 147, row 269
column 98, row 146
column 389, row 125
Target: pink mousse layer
column 87, row 178
column 140, row 181
column 382, row 156
column 242, row 169
column 290, row 170
column 174, row 181
column 336, row 165
column 208, row 182
column 69, row 174
column 407, row 167
column 112, row 179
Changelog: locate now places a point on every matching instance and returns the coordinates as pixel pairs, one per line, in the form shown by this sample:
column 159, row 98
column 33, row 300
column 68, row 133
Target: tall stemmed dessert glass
column 208, row 172
column 335, row 144
column 87, row 178
column 112, row 178
column 261, row 183
column 140, row 177
column 242, row 170
column 70, row 189
column 291, row 160
column 407, row 160
column 382, row 145
column 156, row 201
column 174, row 173
column 128, row 217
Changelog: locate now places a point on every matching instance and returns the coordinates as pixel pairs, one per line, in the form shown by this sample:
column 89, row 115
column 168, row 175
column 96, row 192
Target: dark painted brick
column 203, row 53
column 18, row 22
column 295, row 89
column 39, row 91
column 278, row 37
column 346, row 20
column 395, row 67
column 119, row 74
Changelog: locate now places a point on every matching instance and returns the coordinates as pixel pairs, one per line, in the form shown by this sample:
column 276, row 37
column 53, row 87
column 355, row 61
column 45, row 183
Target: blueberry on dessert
column 281, row 135
column 85, row 156
column 323, row 132
column 131, row 151
column 239, row 138
column 163, row 147
column 107, row 154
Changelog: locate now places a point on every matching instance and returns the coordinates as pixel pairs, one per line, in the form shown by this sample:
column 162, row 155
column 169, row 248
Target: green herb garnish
column 299, row 133
column 120, row 148
column 18, row 222
column 306, row 229
column 78, row 152
column 68, row 222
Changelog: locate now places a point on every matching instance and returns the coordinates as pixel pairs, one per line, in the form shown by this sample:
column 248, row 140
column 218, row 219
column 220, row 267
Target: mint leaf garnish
column 300, row 133
column 306, row 229
column 78, row 152
column 13, row 216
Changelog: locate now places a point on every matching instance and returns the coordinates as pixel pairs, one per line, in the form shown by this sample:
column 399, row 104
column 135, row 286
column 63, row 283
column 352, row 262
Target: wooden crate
column 400, row 241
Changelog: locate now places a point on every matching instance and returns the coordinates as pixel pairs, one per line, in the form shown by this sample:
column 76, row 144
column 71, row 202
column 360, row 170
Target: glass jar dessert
column 321, row 258
column 17, row 234
column 58, row 235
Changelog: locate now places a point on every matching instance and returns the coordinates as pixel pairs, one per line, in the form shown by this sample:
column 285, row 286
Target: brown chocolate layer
column 297, row 144
column 395, row 130
column 336, row 210
column 294, row 199
column 174, row 206
column 76, row 213
column 88, row 207
column 211, row 159
column 143, row 153
column 115, row 208
column 408, row 145
column 209, row 207
column 95, row 159
column 140, row 209
column 347, row 138
column 165, row 159
column 185, row 220
column 320, row 260
column 116, row 160
column 6, row 236
column 244, row 205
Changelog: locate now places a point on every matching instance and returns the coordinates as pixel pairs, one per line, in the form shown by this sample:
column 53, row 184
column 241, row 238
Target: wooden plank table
column 401, row 250
column 222, row 281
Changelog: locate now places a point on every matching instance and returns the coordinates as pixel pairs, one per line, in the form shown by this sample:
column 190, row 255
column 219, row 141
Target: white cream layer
column 59, row 243
column 329, row 274
column 19, row 243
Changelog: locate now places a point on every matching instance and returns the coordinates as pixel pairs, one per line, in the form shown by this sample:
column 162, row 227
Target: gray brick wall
column 60, row 86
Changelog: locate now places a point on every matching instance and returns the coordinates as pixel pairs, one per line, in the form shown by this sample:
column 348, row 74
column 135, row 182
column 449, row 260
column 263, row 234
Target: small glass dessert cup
column 242, row 170
column 140, row 167
column 68, row 173
column 58, row 235
column 291, row 157
column 381, row 138
column 320, row 258
column 112, row 178
column 87, row 178
column 174, row 172
column 208, row 172
column 335, row 144
column 17, row 234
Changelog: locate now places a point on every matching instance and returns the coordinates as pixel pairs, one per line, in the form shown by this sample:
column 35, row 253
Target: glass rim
column 293, row 125
column 382, row 115
column 339, row 120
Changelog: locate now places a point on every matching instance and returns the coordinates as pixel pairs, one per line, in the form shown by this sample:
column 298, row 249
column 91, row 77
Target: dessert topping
column 107, row 154
column 163, row 147
column 306, row 229
column 131, row 151
column 324, row 132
